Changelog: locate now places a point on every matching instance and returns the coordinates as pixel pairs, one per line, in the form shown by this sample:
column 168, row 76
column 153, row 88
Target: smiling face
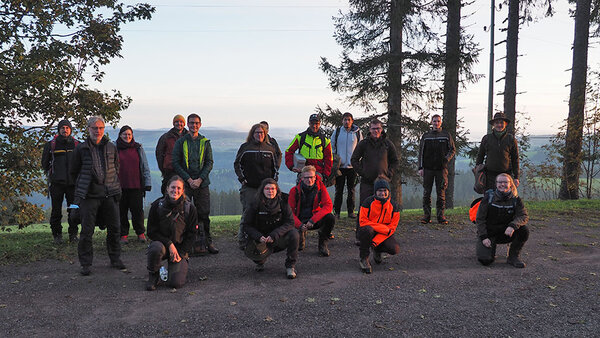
column 503, row 184
column 375, row 130
column 436, row 123
column 175, row 190
column 259, row 135
column 96, row 131
column 309, row 178
column 126, row 136
column 270, row 191
column 382, row 193
column 499, row 125
column 314, row 125
column 194, row 125
column 178, row 125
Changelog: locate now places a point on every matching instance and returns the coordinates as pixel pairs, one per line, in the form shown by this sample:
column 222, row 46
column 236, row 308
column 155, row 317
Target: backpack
column 480, row 178
column 475, row 204
column 53, row 148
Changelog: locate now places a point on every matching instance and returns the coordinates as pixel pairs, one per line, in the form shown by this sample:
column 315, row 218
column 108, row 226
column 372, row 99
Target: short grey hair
column 92, row 120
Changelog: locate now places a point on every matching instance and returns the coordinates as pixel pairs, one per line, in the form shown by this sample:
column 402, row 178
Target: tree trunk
column 510, row 78
column 451, row 83
column 569, row 187
column 394, row 91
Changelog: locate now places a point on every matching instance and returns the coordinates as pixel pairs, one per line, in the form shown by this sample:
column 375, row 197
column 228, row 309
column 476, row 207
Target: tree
column 46, row 48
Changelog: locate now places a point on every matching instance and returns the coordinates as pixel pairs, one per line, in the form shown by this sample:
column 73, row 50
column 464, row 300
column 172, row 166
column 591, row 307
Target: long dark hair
column 250, row 136
column 260, row 195
column 173, row 179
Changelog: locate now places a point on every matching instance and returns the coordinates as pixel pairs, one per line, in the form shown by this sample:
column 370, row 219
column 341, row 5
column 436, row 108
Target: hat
column 179, row 117
column 124, row 128
column 499, row 116
column 64, row 123
column 257, row 251
column 380, row 184
column 314, row 117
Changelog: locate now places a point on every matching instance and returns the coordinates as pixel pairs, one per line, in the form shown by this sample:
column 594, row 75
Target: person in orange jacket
column 378, row 219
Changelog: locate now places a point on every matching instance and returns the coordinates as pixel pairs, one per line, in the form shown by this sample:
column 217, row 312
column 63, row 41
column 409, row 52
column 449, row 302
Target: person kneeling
column 269, row 223
column 379, row 217
column 172, row 227
column 501, row 218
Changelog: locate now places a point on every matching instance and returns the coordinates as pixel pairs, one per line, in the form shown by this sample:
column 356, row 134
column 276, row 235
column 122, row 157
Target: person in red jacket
column 378, row 219
column 311, row 206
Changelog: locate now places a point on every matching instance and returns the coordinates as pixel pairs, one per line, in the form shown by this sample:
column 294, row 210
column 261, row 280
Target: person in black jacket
column 97, row 192
column 500, row 151
column 172, row 227
column 56, row 160
column 269, row 223
column 436, row 149
column 256, row 160
column 501, row 218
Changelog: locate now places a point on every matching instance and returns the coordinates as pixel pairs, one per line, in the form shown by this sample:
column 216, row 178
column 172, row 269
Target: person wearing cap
column 313, row 146
column 193, row 161
column 134, row 175
column 500, row 152
column 164, row 149
column 269, row 223
column 378, row 219
column 436, row 149
column 56, row 160
column 343, row 142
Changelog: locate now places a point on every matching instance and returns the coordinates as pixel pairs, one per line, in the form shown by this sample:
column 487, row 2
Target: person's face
column 194, row 125
column 270, row 190
column 259, row 135
column 64, row 131
column 376, row 130
column 175, row 190
column 436, row 123
column 499, row 125
column 309, row 178
column 96, row 131
column 126, row 136
column 314, row 126
column 347, row 122
column 382, row 193
column 502, row 184
column 179, row 125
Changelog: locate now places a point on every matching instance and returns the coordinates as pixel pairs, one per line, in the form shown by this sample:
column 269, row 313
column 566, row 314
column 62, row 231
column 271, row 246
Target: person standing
column 313, row 146
column 164, row 149
column 57, row 158
column 270, row 139
column 343, row 142
column 500, row 152
column 255, row 161
column 193, row 161
column 97, row 192
column 436, row 149
column 134, row 175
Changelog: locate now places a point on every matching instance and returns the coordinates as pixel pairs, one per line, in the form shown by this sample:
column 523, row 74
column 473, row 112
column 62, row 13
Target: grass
column 34, row 243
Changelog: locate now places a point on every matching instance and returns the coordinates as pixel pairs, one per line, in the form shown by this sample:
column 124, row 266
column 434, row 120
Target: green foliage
column 48, row 49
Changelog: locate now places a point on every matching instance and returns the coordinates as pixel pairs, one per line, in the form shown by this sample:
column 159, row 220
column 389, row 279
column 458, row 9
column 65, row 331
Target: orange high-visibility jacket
column 383, row 217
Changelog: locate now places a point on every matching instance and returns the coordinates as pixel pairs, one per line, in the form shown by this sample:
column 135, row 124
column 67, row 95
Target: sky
column 236, row 63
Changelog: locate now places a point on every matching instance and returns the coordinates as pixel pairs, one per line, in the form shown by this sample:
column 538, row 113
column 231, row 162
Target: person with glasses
column 311, row 206
column 256, row 160
column 501, row 218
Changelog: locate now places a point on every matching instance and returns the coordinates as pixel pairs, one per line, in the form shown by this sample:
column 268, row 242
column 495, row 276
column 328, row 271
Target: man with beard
column 313, row 146
column 164, row 149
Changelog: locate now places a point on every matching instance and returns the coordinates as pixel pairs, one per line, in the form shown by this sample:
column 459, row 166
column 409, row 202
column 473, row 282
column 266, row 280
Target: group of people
column 106, row 180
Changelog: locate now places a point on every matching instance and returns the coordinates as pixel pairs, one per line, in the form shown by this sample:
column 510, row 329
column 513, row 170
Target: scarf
column 124, row 145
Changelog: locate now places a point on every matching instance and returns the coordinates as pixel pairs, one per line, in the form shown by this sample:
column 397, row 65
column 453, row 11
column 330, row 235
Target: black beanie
column 123, row 128
column 381, row 183
column 64, row 123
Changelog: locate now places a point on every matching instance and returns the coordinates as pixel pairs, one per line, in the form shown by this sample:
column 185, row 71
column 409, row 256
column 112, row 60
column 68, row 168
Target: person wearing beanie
column 134, row 175
column 378, row 219
column 56, row 159
column 164, row 149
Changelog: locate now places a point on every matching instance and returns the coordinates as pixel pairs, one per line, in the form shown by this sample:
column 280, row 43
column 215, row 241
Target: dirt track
column 434, row 287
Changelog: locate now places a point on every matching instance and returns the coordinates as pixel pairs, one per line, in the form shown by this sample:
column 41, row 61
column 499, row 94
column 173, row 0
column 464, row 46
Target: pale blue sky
column 238, row 62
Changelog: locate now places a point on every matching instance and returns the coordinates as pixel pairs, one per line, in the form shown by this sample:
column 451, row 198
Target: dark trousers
column 366, row 190
column 132, row 200
column 348, row 178
column 166, row 175
column 201, row 199
column 366, row 235
column 156, row 253
column 487, row 255
column 325, row 226
column 288, row 242
column 58, row 192
column 247, row 195
column 90, row 209
column 440, row 177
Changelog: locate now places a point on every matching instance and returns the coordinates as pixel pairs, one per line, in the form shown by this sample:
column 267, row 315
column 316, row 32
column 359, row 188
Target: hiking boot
column 331, row 236
column 141, row 238
column 199, row 250
column 357, row 242
column 85, row 270
column 514, row 250
column 290, row 273
column 212, row 249
column 302, row 242
column 259, row 267
column 442, row 220
column 152, row 281
column 323, row 250
column 124, row 240
column 58, row 240
column 426, row 219
column 377, row 257
column 118, row 264
column 352, row 215
column 515, row 261
column 365, row 265
column 73, row 239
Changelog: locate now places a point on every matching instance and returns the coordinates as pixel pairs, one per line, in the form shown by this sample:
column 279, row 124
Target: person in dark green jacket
column 193, row 161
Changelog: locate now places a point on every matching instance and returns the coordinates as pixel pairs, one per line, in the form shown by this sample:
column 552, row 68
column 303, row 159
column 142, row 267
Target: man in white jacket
column 343, row 141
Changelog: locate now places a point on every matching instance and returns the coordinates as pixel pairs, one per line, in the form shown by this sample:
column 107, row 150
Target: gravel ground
column 434, row 287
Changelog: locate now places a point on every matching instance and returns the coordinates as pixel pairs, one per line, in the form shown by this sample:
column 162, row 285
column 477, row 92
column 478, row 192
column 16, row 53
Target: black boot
column 152, row 281
column 440, row 216
column 426, row 214
column 302, row 242
column 323, row 250
column 513, row 254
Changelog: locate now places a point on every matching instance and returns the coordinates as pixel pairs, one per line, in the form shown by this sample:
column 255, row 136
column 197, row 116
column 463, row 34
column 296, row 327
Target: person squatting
column 105, row 180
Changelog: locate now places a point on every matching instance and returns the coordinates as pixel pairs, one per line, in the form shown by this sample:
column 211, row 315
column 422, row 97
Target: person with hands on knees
column 501, row 218
column 269, row 223
column 172, row 227
column 378, row 219
column 311, row 206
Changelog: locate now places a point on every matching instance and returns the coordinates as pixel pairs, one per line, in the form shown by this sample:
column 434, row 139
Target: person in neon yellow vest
column 193, row 161
column 314, row 146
